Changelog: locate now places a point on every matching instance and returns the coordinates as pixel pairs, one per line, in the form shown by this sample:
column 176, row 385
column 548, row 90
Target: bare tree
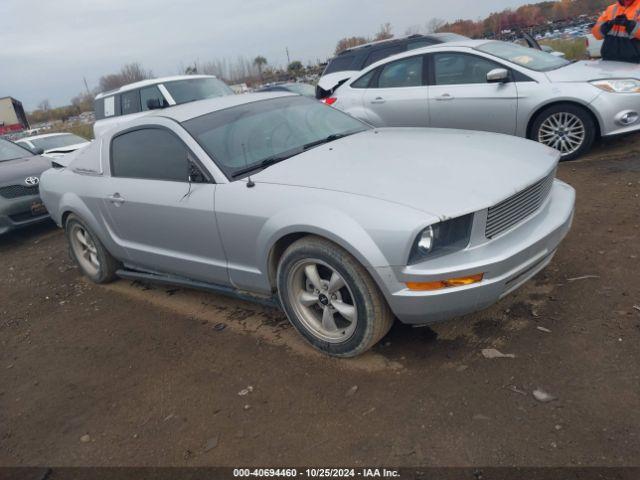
column 132, row 72
column 413, row 30
column 44, row 105
column 349, row 42
column 434, row 25
column 384, row 33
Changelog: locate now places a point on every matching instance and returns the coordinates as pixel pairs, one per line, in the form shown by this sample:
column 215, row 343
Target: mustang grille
column 15, row 191
column 513, row 210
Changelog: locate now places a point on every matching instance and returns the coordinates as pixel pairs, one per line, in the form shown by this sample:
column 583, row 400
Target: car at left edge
column 20, row 171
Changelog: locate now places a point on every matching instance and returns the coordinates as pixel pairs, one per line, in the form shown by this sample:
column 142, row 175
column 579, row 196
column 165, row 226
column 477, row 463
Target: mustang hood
column 16, row 171
column 446, row 173
column 589, row 70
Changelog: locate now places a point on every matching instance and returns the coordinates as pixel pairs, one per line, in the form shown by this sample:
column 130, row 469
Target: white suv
column 131, row 101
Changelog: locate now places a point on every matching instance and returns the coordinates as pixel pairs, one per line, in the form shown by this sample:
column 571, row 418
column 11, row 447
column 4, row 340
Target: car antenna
column 250, row 183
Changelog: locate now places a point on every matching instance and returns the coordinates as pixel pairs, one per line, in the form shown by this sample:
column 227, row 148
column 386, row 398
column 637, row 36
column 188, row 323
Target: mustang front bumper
column 507, row 262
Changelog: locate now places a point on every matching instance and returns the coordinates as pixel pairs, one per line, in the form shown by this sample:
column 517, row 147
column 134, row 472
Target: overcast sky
column 48, row 46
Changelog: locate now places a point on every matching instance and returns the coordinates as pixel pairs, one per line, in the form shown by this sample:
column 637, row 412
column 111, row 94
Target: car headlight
column 442, row 238
column 625, row 85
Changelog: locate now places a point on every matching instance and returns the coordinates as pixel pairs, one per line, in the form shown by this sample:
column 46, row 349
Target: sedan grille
column 513, row 210
column 15, row 191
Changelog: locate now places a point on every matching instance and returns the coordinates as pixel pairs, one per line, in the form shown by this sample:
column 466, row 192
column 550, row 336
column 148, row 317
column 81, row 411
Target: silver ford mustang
column 498, row 87
column 283, row 200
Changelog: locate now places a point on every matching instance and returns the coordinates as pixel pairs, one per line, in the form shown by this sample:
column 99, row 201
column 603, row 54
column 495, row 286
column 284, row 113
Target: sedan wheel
column 563, row 131
column 330, row 298
column 568, row 128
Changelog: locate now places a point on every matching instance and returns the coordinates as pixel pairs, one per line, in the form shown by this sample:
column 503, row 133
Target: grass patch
column 574, row 48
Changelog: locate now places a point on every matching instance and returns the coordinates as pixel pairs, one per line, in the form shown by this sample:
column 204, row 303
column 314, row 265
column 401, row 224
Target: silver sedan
column 498, row 87
column 280, row 199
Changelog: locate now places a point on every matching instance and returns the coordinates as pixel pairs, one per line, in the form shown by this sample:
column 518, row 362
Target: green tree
column 260, row 62
column 295, row 68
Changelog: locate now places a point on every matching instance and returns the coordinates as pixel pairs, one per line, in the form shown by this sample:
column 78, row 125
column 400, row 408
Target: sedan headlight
column 625, row 85
column 442, row 238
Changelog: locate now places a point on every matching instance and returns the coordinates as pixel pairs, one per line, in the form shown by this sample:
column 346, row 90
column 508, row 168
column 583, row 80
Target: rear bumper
column 16, row 213
column 507, row 262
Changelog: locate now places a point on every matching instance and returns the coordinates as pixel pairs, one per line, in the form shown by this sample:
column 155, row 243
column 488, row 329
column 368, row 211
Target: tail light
column 330, row 100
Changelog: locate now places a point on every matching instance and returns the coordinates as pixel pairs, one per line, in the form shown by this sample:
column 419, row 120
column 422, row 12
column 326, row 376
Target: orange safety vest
column 632, row 12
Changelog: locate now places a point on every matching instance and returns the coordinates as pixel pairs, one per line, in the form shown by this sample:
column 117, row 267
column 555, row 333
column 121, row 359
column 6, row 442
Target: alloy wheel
column 322, row 300
column 84, row 249
column 563, row 131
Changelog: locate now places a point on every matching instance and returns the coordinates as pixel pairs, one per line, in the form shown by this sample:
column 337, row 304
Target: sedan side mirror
column 498, row 75
column 37, row 150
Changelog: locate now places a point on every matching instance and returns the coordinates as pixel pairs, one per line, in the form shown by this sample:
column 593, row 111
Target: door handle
column 116, row 199
column 378, row 100
column 445, row 97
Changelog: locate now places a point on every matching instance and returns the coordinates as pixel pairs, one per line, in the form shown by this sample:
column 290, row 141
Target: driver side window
column 461, row 68
column 150, row 153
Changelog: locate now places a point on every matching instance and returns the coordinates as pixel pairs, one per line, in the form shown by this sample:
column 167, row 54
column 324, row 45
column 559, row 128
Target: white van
column 131, row 101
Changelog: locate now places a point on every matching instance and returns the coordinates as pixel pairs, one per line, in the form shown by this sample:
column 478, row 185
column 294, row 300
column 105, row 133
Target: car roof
column 187, row 111
column 417, row 36
column 45, row 135
column 151, row 81
column 431, row 48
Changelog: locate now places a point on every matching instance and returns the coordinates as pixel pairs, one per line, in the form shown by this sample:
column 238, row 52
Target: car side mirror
column 498, row 75
column 154, row 104
column 37, row 151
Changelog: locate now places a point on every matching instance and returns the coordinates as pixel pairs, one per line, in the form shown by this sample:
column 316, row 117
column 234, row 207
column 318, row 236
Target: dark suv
column 357, row 58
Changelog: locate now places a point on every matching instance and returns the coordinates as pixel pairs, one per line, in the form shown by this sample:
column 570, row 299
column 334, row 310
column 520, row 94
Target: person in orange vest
column 619, row 26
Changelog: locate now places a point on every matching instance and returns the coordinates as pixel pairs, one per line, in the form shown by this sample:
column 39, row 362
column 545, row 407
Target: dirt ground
column 131, row 374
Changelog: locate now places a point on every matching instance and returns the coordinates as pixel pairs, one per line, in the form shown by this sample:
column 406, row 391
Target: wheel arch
column 354, row 246
column 568, row 101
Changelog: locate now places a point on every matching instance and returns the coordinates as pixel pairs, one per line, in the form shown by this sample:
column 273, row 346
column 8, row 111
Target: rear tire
column 331, row 299
column 568, row 128
column 88, row 252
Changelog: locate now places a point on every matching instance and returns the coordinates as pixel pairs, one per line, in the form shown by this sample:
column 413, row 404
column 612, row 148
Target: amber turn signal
column 442, row 284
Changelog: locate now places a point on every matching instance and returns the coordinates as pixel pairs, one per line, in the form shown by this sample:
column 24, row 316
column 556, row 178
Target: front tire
column 568, row 128
column 331, row 299
column 88, row 252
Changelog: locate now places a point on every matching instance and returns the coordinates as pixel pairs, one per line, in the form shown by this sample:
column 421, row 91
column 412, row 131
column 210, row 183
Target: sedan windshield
column 184, row 91
column 57, row 141
column 525, row 57
column 11, row 151
column 255, row 135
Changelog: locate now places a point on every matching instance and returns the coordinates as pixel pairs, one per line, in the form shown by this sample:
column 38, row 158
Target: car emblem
column 32, row 181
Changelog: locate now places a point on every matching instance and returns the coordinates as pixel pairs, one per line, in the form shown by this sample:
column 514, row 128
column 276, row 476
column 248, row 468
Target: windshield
column 525, row 57
column 302, row 89
column 57, row 141
column 245, row 136
column 11, row 151
column 184, row 91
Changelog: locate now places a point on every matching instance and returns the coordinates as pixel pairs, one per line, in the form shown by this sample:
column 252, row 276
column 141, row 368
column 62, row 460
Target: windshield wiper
column 330, row 138
column 267, row 162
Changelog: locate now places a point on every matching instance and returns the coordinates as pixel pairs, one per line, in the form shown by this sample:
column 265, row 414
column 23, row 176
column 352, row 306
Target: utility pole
column 86, row 85
column 288, row 58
